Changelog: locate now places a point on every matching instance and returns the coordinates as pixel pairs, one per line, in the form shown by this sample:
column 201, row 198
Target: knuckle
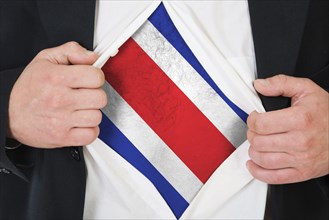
column 256, row 121
column 99, row 98
column 89, row 136
column 266, row 162
column 251, row 152
column 95, row 118
column 72, row 80
column 98, row 117
column 256, row 143
column 258, row 158
column 103, row 98
column 76, row 139
column 52, row 125
column 259, row 124
column 55, row 101
column 56, row 129
column 273, row 161
column 55, row 78
column 83, row 136
column 250, row 136
column 72, row 45
column 281, row 78
column 46, row 54
column 251, row 120
column 100, row 77
column 43, row 53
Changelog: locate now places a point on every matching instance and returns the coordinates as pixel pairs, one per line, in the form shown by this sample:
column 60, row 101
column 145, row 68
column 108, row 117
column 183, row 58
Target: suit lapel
column 277, row 28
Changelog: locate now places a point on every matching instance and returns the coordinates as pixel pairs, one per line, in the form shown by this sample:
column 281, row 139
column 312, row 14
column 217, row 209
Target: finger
column 82, row 76
column 270, row 160
column 68, row 53
column 274, row 176
column 82, row 136
column 278, row 121
column 84, row 99
column 74, row 76
column 86, row 118
column 271, row 122
column 284, row 142
column 282, row 85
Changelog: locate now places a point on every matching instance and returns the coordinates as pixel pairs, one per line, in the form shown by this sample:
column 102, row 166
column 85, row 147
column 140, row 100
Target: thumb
column 68, row 53
column 282, row 85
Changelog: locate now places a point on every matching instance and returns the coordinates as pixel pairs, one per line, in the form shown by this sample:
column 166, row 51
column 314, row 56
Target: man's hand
column 56, row 100
column 290, row 145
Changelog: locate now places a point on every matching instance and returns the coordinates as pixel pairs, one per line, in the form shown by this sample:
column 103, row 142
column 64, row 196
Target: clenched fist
column 290, row 145
column 56, row 101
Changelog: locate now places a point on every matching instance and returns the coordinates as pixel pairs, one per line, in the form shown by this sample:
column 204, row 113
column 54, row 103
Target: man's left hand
column 290, row 145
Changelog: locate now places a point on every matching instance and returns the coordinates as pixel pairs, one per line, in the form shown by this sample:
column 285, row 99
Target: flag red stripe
column 167, row 110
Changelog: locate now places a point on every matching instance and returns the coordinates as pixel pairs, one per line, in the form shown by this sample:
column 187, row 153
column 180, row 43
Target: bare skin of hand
column 290, row 145
column 56, row 101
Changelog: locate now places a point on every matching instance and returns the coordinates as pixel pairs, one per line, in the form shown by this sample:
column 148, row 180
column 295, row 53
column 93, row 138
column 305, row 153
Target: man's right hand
column 56, row 101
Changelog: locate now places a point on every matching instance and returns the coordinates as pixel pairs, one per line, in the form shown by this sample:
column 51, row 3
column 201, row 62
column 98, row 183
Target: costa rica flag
column 166, row 115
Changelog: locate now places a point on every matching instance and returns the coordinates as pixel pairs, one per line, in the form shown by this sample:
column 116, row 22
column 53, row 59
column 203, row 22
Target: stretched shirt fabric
column 168, row 128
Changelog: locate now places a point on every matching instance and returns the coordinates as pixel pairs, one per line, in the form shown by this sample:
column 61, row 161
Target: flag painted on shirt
column 166, row 116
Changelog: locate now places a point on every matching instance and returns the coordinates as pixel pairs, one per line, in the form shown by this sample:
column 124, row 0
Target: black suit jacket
column 290, row 36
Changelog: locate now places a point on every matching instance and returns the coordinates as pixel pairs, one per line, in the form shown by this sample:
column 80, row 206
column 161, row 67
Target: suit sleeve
column 8, row 79
column 321, row 78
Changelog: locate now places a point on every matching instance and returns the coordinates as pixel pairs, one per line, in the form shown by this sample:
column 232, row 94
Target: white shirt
column 218, row 32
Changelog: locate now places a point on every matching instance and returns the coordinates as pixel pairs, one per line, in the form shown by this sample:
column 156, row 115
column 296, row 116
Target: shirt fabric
column 219, row 34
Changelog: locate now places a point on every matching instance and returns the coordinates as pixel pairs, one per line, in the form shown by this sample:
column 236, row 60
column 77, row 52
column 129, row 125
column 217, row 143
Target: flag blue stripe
column 114, row 138
column 161, row 20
